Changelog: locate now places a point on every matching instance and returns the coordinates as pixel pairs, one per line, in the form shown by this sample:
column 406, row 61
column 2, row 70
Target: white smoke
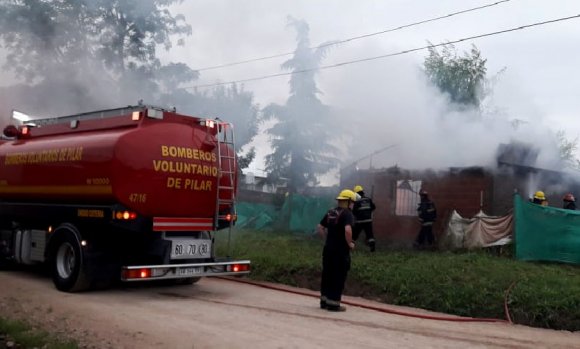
column 390, row 103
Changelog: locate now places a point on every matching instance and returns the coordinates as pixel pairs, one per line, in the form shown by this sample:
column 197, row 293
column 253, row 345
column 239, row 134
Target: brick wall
column 465, row 190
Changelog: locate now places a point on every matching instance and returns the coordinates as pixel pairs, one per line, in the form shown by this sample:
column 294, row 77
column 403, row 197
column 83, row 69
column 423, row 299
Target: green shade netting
column 256, row 216
column 298, row 213
column 545, row 233
column 304, row 213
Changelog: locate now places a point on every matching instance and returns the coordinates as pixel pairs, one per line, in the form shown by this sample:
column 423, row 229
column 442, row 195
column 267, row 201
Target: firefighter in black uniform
column 569, row 202
column 363, row 215
column 336, row 226
column 427, row 214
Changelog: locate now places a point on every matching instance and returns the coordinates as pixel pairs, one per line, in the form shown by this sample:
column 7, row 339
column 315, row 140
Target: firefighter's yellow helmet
column 357, row 188
column 346, row 194
column 539, row 195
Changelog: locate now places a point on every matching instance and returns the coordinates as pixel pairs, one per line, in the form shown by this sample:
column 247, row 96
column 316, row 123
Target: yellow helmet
column 539, row 195
column 346, row 194
column 357, row 188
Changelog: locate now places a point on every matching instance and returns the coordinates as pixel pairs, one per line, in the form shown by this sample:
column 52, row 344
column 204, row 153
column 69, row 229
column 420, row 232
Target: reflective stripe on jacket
column 363, row 210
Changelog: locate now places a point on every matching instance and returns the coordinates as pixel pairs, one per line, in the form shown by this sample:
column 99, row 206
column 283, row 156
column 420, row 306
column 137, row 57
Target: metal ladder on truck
column 226, row 193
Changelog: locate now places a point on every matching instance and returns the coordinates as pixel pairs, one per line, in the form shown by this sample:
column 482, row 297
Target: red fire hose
column 382, row 309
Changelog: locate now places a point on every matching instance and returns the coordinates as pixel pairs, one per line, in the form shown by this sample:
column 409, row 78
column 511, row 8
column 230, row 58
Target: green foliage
column 121, row 33
column 245, row 160
column 27, row 337
column 301, row 139
column 462, row 78
column 90, row 50
column 467, row 283
column 127, row 32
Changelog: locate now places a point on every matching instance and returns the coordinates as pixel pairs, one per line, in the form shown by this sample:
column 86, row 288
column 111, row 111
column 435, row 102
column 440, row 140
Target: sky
column 387, row 100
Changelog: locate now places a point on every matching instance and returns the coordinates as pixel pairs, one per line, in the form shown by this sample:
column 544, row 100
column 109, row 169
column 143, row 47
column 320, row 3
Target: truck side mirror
column 10, row 131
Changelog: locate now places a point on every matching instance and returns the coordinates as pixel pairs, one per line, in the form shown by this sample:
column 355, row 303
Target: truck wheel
column 5, row 264
column 67, row 263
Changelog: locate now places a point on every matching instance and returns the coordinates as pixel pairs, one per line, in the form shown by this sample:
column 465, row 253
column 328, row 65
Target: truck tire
column 5, row 264
column 67, row 262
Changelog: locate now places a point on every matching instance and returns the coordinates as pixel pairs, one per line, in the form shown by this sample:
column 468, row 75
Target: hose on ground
column 380, row 309
column 505, row 302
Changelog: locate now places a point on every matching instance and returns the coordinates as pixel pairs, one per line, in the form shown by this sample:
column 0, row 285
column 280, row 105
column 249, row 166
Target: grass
column 464, row 283
column 27, row 337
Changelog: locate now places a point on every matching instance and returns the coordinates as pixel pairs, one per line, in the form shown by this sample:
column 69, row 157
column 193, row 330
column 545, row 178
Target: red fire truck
column 134, row 193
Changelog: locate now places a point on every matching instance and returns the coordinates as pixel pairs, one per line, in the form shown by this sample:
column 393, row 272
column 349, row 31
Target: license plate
column 189, row 271
column 190, row 249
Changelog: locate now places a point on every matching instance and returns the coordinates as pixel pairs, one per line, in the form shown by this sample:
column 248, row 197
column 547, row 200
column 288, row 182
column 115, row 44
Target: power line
column 355, row 37
column 387, row 55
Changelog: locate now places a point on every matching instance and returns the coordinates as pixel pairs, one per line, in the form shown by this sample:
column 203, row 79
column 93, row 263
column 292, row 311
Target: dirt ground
column 219, row 313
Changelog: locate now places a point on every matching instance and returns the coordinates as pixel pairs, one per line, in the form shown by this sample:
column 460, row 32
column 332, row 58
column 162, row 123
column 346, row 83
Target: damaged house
column 466, row 190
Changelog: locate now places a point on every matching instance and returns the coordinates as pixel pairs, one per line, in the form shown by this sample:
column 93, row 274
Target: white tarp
column 477, row 232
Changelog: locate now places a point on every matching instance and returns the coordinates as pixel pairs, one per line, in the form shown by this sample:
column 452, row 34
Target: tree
column 462, row 78
column 100, row 49
column 568, row 149
column 78, row 55
column 300, row 137
column 129, row 31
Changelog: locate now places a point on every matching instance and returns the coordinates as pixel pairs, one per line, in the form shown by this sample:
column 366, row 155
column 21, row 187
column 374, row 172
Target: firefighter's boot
column 336, row 308
column 372, row 244
column 332, row 305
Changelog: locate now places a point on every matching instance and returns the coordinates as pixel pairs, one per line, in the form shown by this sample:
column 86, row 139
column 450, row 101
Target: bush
column 24, row 336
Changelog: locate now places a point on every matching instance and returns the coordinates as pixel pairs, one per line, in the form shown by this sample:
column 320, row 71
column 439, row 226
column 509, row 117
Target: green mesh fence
column 298, row 213
column 304, row 213
column 546, row 233
column 255, row 216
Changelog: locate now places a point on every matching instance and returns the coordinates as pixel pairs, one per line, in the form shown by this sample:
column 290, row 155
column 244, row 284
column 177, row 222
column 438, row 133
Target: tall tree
column 98, row 49
column 300, row 138
column 462, row 78
column 129, row 31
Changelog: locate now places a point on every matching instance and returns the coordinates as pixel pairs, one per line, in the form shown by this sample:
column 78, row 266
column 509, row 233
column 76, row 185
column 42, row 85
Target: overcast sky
column 543, row 60
column 541, row 83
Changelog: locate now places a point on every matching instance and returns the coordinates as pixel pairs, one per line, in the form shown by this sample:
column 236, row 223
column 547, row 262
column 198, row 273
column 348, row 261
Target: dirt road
column 217, row 313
